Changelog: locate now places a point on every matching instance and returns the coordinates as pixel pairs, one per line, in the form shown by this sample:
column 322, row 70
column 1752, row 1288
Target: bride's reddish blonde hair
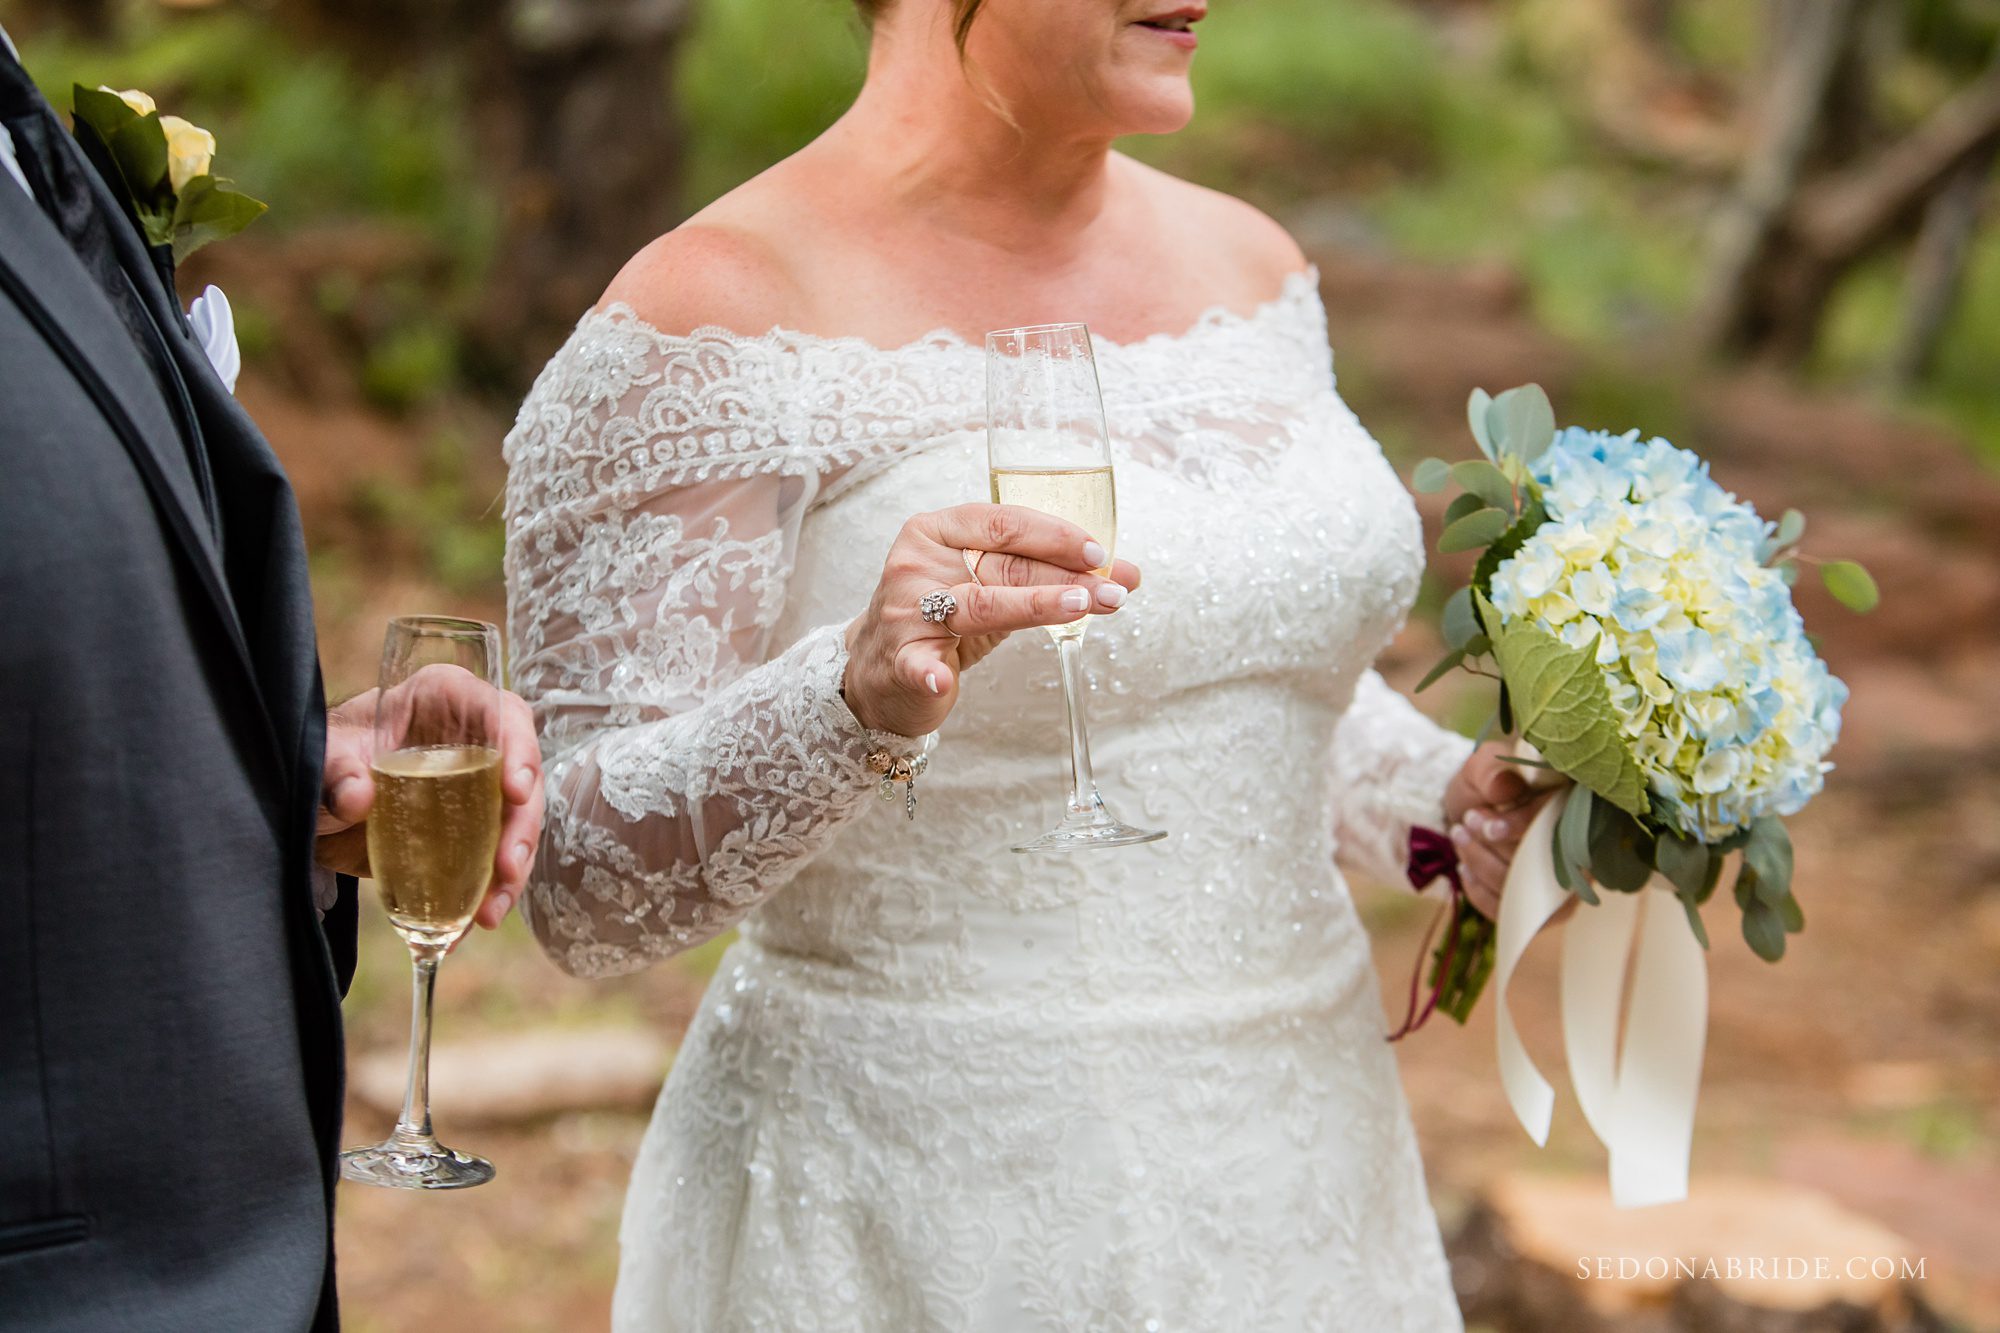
column 963, row 12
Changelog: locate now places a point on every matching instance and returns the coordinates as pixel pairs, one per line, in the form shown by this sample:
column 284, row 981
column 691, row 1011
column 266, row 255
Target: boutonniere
column 165, row 166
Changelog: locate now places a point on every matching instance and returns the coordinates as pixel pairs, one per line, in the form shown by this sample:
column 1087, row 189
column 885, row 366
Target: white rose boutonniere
column 166, row 168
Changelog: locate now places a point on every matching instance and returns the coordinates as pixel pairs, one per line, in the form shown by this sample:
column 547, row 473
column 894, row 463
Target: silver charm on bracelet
column 896, row 769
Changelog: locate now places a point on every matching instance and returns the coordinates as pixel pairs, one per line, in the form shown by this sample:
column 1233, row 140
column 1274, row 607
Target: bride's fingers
column 989, row 609
column 1018, row 571
column 1485, row 871
column 1014, row 529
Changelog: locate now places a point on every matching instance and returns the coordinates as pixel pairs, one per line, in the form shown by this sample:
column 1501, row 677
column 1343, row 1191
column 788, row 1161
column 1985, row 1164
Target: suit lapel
column 42, row 274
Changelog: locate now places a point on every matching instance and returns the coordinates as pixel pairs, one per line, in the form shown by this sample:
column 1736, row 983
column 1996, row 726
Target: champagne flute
column 1047, row 449
column 432, row 833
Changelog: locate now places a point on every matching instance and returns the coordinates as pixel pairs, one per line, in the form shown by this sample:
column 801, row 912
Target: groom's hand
column 1489, row 806
column 347, row 791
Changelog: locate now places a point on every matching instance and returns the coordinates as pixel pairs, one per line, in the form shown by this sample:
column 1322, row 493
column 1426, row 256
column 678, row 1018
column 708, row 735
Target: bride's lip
column 1174, row 25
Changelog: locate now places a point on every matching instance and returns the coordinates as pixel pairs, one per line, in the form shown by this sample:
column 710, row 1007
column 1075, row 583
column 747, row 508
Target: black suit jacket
column 170, row 1047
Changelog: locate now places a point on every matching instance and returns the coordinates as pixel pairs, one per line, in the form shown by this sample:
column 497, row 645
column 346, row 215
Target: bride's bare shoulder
column 1257, row 252
column 721, row 268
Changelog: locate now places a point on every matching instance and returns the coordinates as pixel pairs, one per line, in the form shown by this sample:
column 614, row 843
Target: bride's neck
column 931, row 140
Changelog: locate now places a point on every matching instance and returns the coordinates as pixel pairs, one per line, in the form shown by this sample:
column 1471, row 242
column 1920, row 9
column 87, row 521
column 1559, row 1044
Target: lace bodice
column 699, row 752
column 934, row 1085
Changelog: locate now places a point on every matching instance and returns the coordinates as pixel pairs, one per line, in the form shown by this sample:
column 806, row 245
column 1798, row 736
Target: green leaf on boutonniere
column 1462, row 505
column 1431, row 475
column 207, row 212
column 1563, row 708
column 1851, row 585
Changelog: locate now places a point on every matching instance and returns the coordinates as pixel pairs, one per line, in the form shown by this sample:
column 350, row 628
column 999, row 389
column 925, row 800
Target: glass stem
column 413, row 1126
column 1083, row 799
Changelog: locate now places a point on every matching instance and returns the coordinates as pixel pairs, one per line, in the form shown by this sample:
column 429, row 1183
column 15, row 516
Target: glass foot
column 414, row 1167
column 1094, row 827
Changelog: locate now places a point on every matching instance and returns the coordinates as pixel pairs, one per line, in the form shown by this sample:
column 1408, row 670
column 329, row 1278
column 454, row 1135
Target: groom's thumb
column 346, row 788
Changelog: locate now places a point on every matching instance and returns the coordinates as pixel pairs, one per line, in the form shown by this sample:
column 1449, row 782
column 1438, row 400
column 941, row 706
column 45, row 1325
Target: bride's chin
column 1157, row 110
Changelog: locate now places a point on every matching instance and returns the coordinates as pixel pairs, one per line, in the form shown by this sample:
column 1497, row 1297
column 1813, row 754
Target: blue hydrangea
column 1726, row 707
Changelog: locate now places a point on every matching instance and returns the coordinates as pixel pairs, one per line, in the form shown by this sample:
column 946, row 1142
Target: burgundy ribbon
column 1432, row 856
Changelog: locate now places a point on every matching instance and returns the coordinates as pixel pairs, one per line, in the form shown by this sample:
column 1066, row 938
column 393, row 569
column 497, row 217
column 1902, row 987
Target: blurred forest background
column 1764, row 228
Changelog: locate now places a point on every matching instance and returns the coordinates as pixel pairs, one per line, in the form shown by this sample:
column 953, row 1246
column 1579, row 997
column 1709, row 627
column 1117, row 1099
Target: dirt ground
column 1866, row 1065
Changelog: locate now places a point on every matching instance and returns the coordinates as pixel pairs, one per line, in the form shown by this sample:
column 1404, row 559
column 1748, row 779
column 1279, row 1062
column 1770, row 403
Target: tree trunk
column 1812, row 38
column 1937, row 271
column 571, row 106
column 577, row 108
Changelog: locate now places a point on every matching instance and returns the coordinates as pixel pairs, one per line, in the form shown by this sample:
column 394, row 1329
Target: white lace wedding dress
column 935, row 1085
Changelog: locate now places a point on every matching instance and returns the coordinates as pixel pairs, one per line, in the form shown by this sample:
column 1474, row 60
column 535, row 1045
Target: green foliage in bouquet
column 177, row 200
column 1682, row 807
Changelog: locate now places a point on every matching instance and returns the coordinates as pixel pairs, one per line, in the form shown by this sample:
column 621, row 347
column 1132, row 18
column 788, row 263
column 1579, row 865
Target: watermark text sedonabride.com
column 1792, row 1267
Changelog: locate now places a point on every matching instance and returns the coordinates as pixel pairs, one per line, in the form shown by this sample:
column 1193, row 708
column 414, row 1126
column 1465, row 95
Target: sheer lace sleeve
column 653, row 506
column 1391, row 765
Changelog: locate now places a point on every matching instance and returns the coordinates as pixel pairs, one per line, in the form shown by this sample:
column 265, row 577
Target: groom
column 171, row 963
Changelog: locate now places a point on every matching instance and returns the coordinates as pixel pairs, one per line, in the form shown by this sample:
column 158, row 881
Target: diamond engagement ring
column 935, row 606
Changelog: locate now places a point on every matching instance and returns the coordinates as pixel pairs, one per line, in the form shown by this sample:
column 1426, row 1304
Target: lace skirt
column 826, row 1159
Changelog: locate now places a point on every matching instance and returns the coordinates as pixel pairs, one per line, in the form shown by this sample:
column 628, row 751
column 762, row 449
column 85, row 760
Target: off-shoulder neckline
column 1298, row 284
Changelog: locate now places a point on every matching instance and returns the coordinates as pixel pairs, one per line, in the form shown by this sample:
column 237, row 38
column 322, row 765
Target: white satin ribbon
column 1640, row 1103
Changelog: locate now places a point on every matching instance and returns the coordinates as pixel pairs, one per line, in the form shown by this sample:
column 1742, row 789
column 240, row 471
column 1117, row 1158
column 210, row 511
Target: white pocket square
column 215, row 329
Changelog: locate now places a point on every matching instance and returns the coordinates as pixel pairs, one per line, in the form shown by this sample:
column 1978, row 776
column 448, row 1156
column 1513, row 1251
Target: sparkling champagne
column 1083, row 495
column 431, row 837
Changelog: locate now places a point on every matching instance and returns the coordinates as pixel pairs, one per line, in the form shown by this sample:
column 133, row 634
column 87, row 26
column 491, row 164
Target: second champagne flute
column 432, row 833
column 1047, row 449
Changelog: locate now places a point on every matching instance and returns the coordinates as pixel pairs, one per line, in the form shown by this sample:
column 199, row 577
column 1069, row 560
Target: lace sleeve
column 652, row 514
column 1391, row 765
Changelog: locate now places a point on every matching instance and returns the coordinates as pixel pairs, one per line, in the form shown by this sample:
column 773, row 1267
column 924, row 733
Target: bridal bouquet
column 1639, row 621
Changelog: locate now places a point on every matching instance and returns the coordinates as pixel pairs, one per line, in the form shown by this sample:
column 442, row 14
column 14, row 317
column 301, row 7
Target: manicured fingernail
column 1095, row 556
column 1075, row 599
column 339, row 792
column 504, row 901
column 525, row 776
column 521, row 855
column 1459, row 835
column 930, row 679
column 1111, row 594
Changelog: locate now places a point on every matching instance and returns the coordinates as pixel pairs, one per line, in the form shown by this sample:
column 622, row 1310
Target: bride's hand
column 1489, row 806
column 902, row 671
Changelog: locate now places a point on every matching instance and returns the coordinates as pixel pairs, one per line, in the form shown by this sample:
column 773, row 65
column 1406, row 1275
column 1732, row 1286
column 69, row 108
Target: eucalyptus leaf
column 1791, row 527
column 1694, row 919
column 1789, row 571
column 1621, row 854
column 1430, row 475
column 1683, row 861
column 1768, row 853
column 1475, row 415
column 1459, row 622
column 1717, row 859
column 1443, row 668
column 1563, row 707
column 1460, row 506
column 1851, row 585
column 1474, row 530
column 1531, row 519
column 1565, row 876
column 1573, row 839
column 1486, row 481
column 1765, row 931
column 1521, row 422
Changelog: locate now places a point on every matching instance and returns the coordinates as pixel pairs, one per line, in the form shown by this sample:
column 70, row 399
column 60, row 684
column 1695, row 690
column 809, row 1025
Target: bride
column 935, row 1085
